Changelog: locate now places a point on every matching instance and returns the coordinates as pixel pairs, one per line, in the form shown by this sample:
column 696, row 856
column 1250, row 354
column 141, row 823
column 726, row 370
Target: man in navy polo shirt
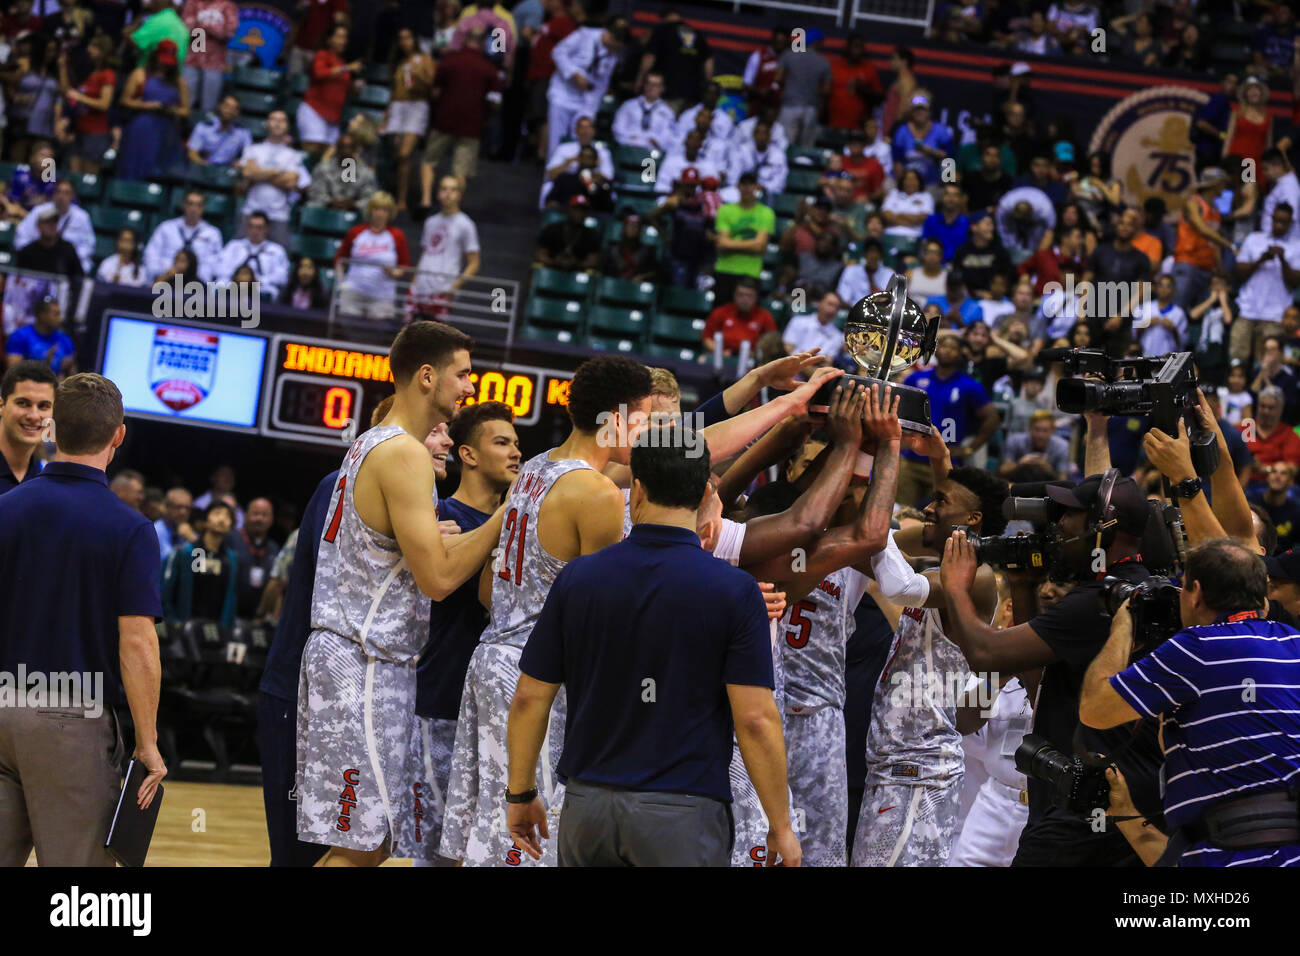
column 660, row 647
column 961, row 410
column 1226, row 689
column 26, row 401
column 60, row 753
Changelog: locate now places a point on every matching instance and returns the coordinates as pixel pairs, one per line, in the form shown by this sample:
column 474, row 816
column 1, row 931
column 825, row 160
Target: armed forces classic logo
column 182, row 366
column 1147, row 137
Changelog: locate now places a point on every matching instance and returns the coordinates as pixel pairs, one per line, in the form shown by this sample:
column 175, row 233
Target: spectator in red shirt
column 1046, row 265
column 462, row 86
column 313, row 19
column 868, row 175
column 1269, row 438
column 321, row 110
column 88, row 105
column 559, row 24
column 740, row 320
column 19, row 21
column 855, row 87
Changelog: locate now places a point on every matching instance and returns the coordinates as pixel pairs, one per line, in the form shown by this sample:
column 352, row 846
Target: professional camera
column 1037, row 551
column 1163, row 387
column 1153, row 604
column 1078, row 784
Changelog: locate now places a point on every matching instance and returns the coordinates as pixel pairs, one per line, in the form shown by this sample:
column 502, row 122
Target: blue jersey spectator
column 949, row 225
column 44, row 341
column 920, row 143
column 959, row 405
column 217, row 141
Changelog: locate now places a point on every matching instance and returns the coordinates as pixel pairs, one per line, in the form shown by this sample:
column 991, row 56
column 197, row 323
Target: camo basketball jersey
column 814, row 632
column 913, row 734
column 364, row 590
column 525, row 571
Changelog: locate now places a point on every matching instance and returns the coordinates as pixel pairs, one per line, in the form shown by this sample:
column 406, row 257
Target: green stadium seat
column 689, row 302
column 633, row 157
column 772, row 256
column 643, row 206
column 255, row 102
column 320, row 248
column 670, row 353
column 6, row 258
column 374, row 97
column 128, row 195
column 218, row 208
column 104, row 246
column 833, row 139
column 7, row 234
column 257, row 78
column 7, row 171
column 552, row 216
column 1231, row 52
column 298, row 84
column 785, row 205
column 606, row 343
column 623, row 323
column 565, row 313
column 896, row 247
column 676, row 330
column 780, row 311
column 222, row 178
column 562, row 285
column 110, row 221
column 808, row 157
column 379, row 74
column 255, row 125
column 636, row 295
column 802, row 181
column 330, row 222
column 89, row 187
column 290, row 106
column 543, row 334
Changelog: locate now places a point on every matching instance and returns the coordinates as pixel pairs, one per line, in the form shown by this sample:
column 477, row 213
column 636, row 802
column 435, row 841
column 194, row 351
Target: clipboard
column 132, row 828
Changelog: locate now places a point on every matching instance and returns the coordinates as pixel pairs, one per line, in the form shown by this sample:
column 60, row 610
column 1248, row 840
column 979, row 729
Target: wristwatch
column 1187, row 488
column 528, row 796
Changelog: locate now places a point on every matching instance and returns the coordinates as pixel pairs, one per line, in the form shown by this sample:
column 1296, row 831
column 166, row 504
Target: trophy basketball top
column 885, row 332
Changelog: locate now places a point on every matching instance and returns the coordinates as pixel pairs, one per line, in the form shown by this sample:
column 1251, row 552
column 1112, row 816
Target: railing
column 365, row 293
column 847, row 13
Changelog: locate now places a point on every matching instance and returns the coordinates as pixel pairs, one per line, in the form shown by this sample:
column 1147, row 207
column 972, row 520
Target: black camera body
column 1038, row 551
column 1154, row 606
column 1078, row 784
column 1163, row 387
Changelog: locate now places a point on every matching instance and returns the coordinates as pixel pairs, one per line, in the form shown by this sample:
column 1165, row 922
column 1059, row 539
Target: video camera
column 1037, row 551
column 1163, row 387
column 1154, row 606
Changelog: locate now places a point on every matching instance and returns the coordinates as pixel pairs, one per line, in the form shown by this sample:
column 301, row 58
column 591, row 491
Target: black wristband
column 528, row 796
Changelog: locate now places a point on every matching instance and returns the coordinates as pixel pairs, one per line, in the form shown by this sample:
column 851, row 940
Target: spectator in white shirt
column 449, row 253
column 743, row 134
column 670, row 168
column 763, row 158
column 267, row 258
column 187, row 231
column 1161, row 326
column 907, row 207
column 123, row 266
column 565, row 157
column 584, row 62
column 1285, row 188
column 720, row 122
column 863, row 278
column 276, row 174
column 74, row 224
column 817, row 329
column 646, row 121
column 1268, row 265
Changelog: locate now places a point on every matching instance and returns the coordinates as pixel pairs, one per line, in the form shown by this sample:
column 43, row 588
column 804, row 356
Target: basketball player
column 487, row 447
column 561, row 507
column 381, row 553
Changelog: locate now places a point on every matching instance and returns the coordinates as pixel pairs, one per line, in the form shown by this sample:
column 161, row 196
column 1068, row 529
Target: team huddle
column 412, row 759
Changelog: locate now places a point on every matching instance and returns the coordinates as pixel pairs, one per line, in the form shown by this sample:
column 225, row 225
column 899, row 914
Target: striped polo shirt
column 1230, row 696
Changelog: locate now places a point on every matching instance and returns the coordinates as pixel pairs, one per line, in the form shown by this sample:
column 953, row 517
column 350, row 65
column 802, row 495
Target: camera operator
column 1100, row 538
column 1227, row 691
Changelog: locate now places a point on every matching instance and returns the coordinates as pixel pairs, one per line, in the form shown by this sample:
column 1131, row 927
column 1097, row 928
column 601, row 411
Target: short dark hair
column 28, row 370
column 424, row 342
column 218, row 505
column 603, row 384
column 467, row 420
column 1232, row 576
column 906, row 55
column 87, row 411
column 772, row 498
column 672, row 465
column 1284, row 205
column 991, row 490
column 1267, row 536
column 258, row 214
column 1272, row 155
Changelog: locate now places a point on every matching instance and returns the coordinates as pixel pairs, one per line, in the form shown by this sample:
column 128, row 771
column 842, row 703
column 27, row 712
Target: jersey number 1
column 514, row 522
column 332, row 531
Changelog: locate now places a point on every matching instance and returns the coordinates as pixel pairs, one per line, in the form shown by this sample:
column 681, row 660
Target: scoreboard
column 287, row 386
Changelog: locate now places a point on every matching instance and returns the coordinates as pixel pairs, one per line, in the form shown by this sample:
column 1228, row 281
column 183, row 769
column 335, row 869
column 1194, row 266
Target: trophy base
column 913, row 403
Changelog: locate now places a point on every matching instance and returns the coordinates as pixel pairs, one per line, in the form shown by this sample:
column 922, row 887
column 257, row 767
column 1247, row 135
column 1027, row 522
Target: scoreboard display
column 285, row 386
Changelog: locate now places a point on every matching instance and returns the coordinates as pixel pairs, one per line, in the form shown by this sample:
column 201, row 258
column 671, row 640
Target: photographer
column 1227, row 690
column 1065, row 638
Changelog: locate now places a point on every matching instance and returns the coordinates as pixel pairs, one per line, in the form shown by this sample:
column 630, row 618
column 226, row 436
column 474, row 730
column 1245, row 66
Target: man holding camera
column 1101, row 523
column 1226, row 689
